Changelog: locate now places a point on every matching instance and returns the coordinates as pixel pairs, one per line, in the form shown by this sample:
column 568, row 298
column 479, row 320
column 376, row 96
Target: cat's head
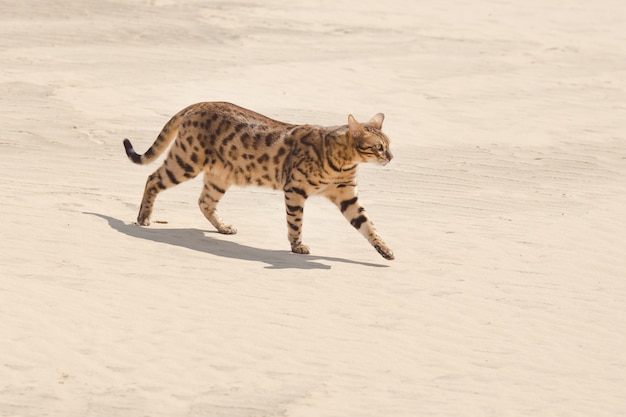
column 370, row 143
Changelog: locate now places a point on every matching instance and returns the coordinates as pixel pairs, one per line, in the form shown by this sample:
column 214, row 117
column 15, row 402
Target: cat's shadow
column 201, row 241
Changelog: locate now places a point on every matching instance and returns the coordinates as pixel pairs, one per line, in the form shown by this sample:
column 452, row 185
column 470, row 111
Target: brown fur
column 235, row 146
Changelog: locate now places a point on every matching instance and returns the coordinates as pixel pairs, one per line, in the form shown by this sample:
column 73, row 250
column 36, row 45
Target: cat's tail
column 168, row 133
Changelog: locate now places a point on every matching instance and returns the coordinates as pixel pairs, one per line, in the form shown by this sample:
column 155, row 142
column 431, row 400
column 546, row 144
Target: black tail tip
column 130, row 152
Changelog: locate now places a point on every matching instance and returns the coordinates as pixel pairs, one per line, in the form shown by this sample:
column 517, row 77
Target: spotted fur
column 235, row 146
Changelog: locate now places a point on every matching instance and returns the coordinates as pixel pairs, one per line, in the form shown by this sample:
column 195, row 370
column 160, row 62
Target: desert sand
column 504, row 205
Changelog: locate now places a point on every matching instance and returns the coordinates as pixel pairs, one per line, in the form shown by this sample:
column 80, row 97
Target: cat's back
column 225, row 116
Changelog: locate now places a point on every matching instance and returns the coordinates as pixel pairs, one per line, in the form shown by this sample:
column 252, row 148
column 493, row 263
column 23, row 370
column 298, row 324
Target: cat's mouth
column 385, row 159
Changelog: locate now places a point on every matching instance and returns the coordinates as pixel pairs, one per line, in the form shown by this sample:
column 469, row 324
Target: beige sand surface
column 505, row 206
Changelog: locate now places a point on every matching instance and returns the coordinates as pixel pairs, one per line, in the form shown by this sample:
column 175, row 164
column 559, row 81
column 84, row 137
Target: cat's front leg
column 352, row 210
column 294, row 202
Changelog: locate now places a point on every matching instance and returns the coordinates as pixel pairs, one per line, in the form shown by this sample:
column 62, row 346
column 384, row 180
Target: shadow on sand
column 201, row 241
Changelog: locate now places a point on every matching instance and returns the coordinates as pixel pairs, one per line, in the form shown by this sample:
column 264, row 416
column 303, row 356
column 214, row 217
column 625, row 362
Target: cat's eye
column 379, row 147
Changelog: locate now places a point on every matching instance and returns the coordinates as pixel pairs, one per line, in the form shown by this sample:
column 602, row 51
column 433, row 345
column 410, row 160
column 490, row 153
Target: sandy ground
column 505, row 206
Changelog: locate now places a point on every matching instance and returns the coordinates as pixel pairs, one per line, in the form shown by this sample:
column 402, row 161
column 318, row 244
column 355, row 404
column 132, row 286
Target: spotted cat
column 235, row 146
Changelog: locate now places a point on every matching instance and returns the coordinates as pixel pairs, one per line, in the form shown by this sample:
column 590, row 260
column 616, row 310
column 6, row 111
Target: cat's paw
column 385, row 251
column 301, row 249
column 227, row 229
column 143, row 221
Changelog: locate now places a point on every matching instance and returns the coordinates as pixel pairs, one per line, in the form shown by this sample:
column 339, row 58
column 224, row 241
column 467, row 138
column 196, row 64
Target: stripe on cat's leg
column 355, row 213
column 212, row 192
column 294, row 202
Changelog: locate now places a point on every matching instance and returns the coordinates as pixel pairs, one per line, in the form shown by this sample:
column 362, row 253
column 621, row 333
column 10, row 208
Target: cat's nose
column 389, row 156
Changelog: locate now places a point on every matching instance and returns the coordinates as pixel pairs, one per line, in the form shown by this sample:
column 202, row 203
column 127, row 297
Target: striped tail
column 160, row 144
column 132, row 155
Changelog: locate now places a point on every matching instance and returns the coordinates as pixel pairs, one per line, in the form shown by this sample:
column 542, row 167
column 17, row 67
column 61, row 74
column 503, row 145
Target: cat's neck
column 339, row 148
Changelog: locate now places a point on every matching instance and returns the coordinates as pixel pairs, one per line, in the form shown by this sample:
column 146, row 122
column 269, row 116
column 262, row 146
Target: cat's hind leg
column 214, row 189
column 171, row 173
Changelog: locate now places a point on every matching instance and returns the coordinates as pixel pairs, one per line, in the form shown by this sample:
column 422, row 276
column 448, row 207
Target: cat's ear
column 377, row 121
column 355, row 128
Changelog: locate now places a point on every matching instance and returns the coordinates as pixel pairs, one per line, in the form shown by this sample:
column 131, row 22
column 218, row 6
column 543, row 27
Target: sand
column 504, row 204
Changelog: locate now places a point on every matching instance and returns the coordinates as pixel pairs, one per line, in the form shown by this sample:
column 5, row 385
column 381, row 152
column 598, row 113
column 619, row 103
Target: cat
column 235, row 146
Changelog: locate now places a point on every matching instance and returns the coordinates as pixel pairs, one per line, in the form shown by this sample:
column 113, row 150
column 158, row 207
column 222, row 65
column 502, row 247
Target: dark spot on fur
column 312, row 183
column 332, row 165
column 188, row 168
column 293, row 209
column 149, row 153
column 299, row 191
column 281, row 152
column 347, row 203
column 270, row 138
column 218, row 189
column 171, row 176
column 357, row 222
column 228, row 138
